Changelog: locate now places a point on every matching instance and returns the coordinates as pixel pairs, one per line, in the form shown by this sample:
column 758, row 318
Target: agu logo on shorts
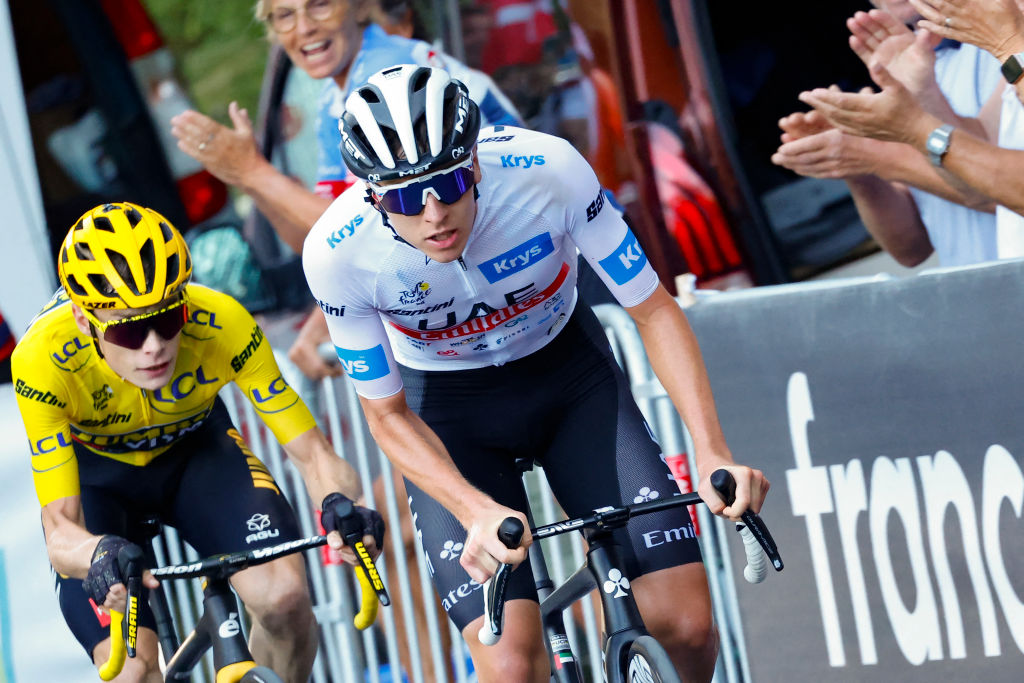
column 626, row 261
column 363, row 365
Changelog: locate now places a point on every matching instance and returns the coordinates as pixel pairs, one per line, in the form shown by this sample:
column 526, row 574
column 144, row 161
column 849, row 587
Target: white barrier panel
column 886, row 416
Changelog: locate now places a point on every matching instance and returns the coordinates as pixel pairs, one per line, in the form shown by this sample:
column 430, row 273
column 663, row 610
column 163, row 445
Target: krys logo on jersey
column 884, row 559
column 517, row 258
column 364, row 365
column 334, row 238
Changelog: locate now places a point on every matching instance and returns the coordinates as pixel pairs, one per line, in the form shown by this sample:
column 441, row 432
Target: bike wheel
column 260, row 674
column 647, row 662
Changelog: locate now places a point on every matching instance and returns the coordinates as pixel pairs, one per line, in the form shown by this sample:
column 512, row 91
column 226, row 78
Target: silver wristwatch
column 938, row 143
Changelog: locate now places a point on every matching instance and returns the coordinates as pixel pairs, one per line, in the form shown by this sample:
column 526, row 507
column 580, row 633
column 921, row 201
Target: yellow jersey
column 67, row 393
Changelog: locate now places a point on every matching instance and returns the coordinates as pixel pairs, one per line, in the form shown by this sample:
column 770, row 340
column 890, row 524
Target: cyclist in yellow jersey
column 117, row 381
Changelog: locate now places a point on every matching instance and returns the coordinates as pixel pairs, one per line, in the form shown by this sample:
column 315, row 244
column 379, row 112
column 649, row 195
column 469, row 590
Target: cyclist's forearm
column 416, row 450
column 321, row 468
column 676, row 360
column 290, row 208
column 69, row 544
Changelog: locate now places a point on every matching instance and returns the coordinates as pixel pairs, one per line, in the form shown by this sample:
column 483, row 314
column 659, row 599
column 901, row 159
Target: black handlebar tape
column 510, row 532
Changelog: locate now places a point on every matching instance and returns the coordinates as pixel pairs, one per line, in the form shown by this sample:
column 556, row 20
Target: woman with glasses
column 449, row 278
column 332, row 40
column 117, row 382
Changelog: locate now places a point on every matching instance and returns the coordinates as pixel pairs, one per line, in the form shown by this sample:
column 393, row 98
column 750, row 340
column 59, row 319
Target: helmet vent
column 82, row 251
column 133, row 216
column 64, row 255
column 103, row 223
column 80, row 224
column 121, row 266
column 173, row 266
column 370, row 95
column 100, row 283
column 165, row 230
column 75, row 287
column 148, row 264
column 420, row 80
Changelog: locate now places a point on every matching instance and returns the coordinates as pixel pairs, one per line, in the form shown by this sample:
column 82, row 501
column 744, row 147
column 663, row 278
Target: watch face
column 1012, row 69
column 934, row 145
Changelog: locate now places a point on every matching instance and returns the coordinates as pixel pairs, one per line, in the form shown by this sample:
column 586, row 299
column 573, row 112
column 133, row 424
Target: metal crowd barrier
column 348, row 656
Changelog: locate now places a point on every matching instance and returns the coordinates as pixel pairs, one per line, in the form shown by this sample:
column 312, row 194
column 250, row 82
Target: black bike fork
column 621, row 614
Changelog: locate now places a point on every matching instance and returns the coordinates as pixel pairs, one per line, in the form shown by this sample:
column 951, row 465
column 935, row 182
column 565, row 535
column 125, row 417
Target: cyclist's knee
column 283, row 608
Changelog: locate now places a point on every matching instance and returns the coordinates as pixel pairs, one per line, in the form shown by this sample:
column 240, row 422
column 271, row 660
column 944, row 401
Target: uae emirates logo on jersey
column 416, row 295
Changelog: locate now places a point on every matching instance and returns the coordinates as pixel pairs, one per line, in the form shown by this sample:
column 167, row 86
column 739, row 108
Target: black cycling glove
column 110, row 566
column 342, row 515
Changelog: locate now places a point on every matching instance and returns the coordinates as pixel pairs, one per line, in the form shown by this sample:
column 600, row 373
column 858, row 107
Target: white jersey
column 509, row 293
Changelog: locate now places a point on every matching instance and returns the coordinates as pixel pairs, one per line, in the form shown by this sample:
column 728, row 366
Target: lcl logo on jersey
column 183, row 385
column 517, row 258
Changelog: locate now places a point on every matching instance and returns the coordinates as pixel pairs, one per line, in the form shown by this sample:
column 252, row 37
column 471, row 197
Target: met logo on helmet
column 517, row 258
column 462, row 114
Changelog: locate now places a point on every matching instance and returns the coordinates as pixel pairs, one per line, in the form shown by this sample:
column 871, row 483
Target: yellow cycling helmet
column 123, row 256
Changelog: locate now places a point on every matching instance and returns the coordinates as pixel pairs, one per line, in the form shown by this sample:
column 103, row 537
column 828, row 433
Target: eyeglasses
column 284, row 19
column 132, row 332
column 409, row 198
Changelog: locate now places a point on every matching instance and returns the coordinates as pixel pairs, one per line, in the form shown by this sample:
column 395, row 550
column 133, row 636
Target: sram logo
column 346, row 230
column 513, row 161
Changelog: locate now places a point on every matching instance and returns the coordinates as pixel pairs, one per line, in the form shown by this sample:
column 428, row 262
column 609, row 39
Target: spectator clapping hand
column 227, row 153
column 879, row 37
column 892, row 114
column 996, row 26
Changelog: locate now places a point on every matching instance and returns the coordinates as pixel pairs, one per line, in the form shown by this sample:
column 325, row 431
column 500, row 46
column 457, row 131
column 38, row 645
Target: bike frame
column 621, row 617
column 218, row 628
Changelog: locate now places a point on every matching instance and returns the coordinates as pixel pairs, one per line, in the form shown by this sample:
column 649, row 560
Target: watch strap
column 1013, row 68
column 938, row 143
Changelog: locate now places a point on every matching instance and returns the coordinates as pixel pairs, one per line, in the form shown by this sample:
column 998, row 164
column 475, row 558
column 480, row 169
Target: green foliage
column 220, row 49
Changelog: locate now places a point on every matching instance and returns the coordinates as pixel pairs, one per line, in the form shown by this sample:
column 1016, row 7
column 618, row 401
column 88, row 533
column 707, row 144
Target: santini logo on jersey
column 517, row 258
column 363, row 365
column 626, row 261
column 37, row 395
column 346, row 230
column 512, row 161
column 330, row 309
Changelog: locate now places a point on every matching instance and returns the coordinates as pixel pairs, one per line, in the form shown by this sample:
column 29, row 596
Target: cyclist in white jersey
column 455, row 315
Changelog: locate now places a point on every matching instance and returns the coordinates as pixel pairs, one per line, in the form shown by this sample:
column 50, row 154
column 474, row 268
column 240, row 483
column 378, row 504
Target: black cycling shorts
column 569, row 407
column 209, row 486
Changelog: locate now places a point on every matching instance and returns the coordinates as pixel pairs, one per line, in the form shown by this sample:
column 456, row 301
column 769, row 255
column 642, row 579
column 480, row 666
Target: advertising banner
column 886, row 415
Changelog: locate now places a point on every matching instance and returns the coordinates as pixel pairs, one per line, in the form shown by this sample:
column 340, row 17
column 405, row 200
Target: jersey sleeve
column 259, row 377
column 597, row 228
column 356, row 329
column 42, row 400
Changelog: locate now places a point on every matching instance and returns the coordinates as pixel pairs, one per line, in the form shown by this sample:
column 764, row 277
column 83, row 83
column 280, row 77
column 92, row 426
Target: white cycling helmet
column 407, row 120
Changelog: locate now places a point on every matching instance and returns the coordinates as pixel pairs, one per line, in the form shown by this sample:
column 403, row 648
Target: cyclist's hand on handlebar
column 105, row 581
column 346, row 523
column 483, row 550
column 751, row 489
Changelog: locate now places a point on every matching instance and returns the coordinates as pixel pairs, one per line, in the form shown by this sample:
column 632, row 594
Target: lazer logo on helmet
column 517, row 258
column 346, row 230
column 626, row 261
column 365, row 365
column 512, row 161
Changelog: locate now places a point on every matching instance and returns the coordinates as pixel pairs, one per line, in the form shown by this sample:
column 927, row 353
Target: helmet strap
column 95, row 339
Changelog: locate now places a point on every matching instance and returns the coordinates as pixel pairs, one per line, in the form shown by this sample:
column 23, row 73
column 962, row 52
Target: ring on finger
column 947, row 22
column 209, row 138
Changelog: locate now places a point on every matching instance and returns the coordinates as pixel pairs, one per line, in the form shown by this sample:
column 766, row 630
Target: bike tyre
column 647, row 662
column 261, row 674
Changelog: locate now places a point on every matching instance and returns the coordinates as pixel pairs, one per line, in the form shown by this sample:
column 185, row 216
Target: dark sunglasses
column 408, row 199
column 131, row 332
